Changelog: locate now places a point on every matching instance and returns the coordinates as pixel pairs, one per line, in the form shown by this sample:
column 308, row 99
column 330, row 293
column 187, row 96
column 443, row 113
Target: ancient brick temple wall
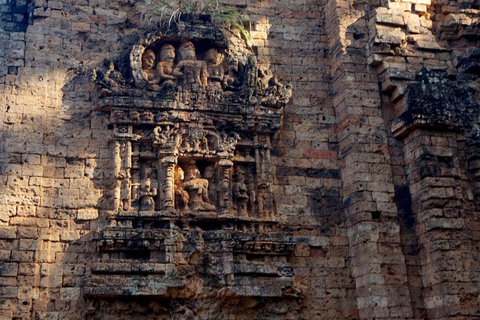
column 375, row 164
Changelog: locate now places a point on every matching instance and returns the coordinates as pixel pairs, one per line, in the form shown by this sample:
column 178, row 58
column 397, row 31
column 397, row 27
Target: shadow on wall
column 49, row 191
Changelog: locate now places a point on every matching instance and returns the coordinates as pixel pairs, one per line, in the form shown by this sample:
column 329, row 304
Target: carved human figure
column 125, row 189
column 146, row 194
column 197, row 190
column 190, row 70
column 125, row 154
column 229, row 81
column 148, row 66
column 240, row 192
column 165, row 66
column 181, row 196
column 214, row 66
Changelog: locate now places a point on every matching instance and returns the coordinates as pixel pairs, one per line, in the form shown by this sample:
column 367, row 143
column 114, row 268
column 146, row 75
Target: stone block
column 42, row 12
column 444, row 223
column 390, row 19
column 28, row 244
column 5, row 255
column 6, row 315
column 87, row 214
column 67, row 294
column 8, row 292
column 29, row 222
column 22, row 256
column 372, row 301
column 421, row 9
column 388, row 35
column 8, row 232
column 8, row 269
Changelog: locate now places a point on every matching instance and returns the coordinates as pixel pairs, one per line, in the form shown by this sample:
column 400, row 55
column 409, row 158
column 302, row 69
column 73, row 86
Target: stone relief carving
column 190, row 70
column 193, row 165
column 181, row 195
column 240, row 192
column 215, row 67
column 192, row 131
column 165, row 66
column 146, row 193
column 197, row 188
column 148, row 66
column 197, row 114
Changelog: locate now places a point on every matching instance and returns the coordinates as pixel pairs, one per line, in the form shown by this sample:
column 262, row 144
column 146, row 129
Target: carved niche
column 193, row 126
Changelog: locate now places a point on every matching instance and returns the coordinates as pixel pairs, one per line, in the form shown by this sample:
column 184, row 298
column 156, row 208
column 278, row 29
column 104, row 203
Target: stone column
column 123, row 164
column 264, row 178
column 262, row 158
column 377, row 261
column 445, row 221
column 168, row 164
column 225, row 190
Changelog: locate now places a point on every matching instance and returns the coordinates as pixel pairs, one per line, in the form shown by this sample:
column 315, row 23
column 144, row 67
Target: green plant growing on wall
column 166, row 12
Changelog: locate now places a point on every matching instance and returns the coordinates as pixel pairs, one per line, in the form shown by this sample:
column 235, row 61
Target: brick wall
column 385, row 223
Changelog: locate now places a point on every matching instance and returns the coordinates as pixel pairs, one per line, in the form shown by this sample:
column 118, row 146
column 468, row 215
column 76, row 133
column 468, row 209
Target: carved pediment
column 198, row 67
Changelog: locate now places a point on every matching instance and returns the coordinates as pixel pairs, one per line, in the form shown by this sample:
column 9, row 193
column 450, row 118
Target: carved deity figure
column 146, row 194
column 190, row 70
column 165, row 66
column 240, row 192
column 124, row 176
column 148, row 66
column 197, row 190
column 215, row 68
column 125, row 189
column 181, row 196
